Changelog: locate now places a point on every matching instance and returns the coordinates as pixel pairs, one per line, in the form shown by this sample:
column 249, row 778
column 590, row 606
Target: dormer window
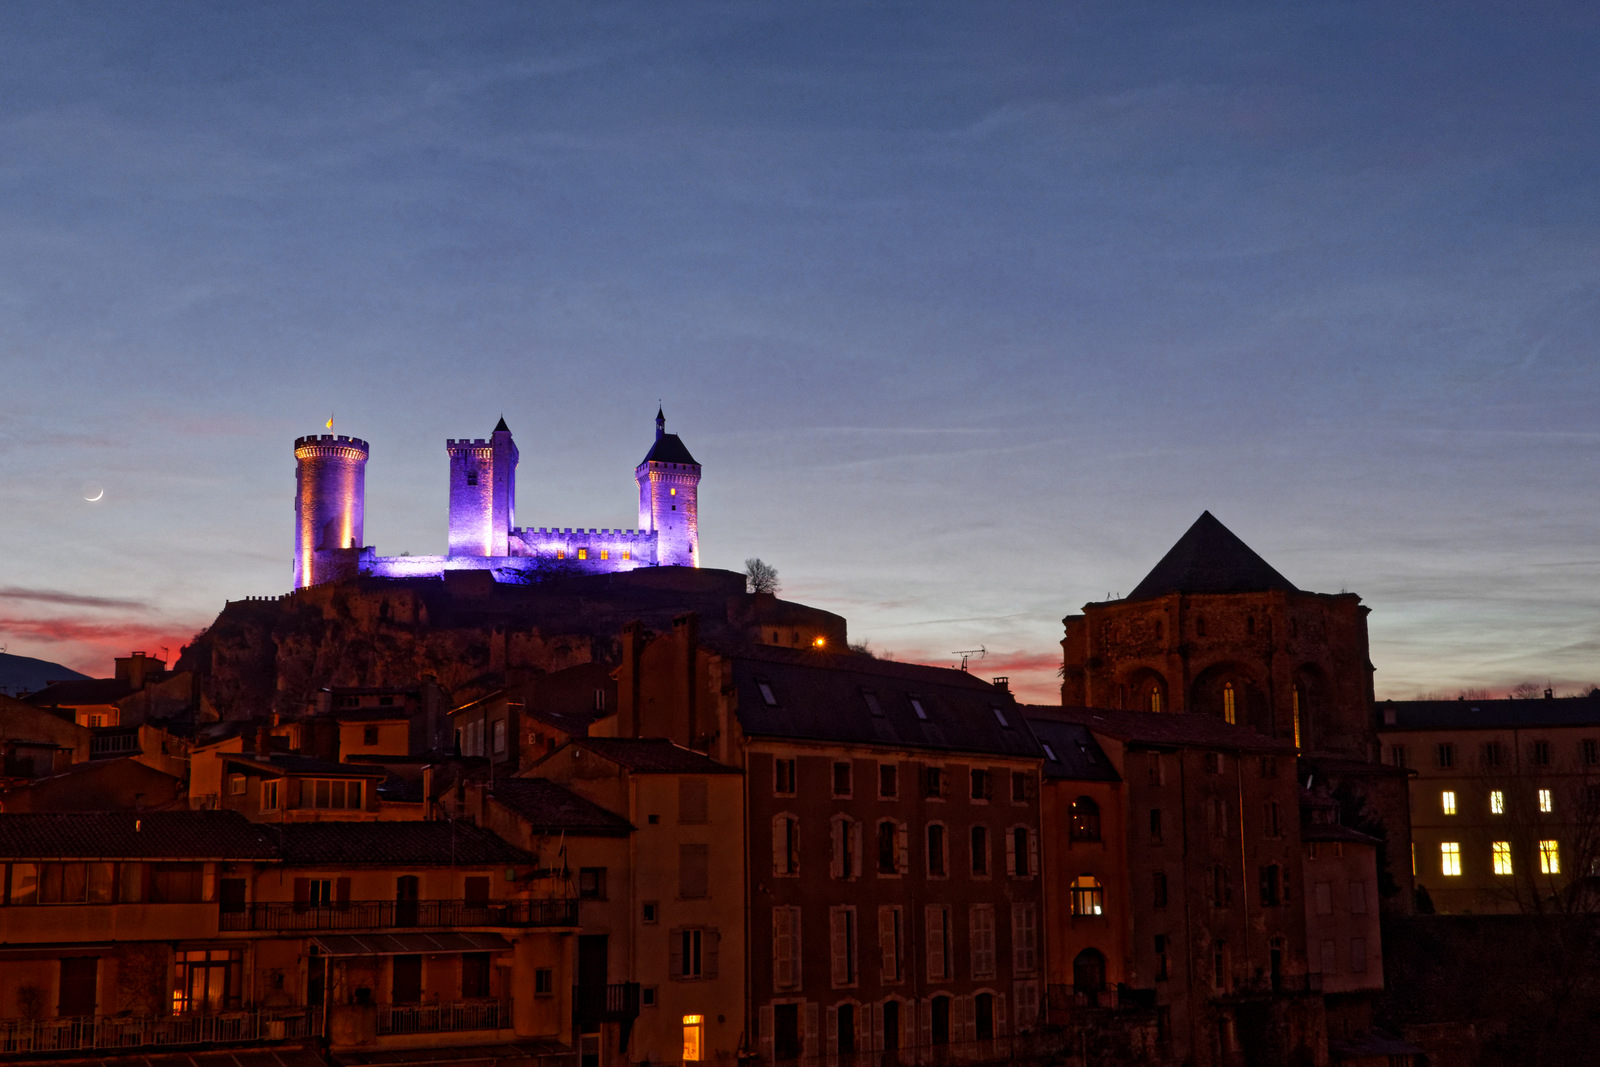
column 916, row 706
column 767, row 694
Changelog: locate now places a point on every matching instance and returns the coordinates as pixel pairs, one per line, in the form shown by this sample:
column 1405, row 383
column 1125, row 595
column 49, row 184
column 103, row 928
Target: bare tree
column 760, row 576
column 1525, row 691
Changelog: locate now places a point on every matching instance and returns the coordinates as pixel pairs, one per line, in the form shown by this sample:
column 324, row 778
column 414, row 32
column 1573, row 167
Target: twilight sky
column 968, row 310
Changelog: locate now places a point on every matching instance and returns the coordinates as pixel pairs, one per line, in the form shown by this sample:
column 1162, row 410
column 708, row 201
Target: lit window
column 1228, row 711
column 583, row 553
column 1447, row 800
column 561, row 553
column 1544, row 801
column 693, row 1030
column 1502, row 857
column 627, row 553
column 1450, row 858
column 1296, row 694
column 1088, row 898
column 605, row 553
column 674, row 492
column 1549, row 857
column 1497, row 802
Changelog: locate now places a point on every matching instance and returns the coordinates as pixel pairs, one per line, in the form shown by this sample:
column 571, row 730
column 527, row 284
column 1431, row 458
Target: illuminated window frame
column 1546, row 802
column 1500, row 851
column 1549, row 857
column 1497, row 802
column 694, row 1030
column 1450, row 859
column 1229, row 705
column 1447, row 801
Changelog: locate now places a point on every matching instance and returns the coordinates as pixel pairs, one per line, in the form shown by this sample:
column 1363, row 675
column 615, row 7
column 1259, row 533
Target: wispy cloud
column 73, row 600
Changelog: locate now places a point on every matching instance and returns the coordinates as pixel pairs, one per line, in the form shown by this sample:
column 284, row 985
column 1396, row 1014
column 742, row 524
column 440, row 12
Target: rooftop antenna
column 980, row 652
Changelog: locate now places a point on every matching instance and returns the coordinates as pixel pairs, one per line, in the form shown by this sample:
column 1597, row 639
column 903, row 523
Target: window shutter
column 999, row 1015
column 1011, row 855
column 764, row 1021
column 925, row 1023
column 675, row 953
column 694, row 878
column 838, row 946
column 341, row 891
column 969, row 1017
column 1033, row 854
column 711, row 945
column 902, row 848
column 302, row 891
column 855, row 849
column 692, row 800
column 811, row 1029
column 886, row 943
column 864, row 1031
column 935, row 924
column 877, row 1029
column 786, row 947
column 836, row 856
column 833, row 1031
column 780, row 846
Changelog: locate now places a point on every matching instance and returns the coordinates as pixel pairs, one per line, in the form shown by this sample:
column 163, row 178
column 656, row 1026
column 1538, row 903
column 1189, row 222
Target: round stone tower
column 669, row 507
column 330, row 500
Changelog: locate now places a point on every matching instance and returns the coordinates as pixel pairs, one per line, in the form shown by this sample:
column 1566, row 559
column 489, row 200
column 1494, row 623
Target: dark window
column 846, row 1029
column 888, row 780
column 786, row 1032
column 1019, row 845
column 933, row 782
column 650, row 912
column 80, row 982
column 1491, row 754
column 1155, row 824
column 1213, row 763
column 936, row 850
column 176, row 883
column 1019, row 787
column 544, row 981
column 888, row 847
column 1158, row 883
column 1271, row 885
column 694, row 871
column 1397, row 755
column 1084, row 821
column 472, row 477
column 1219, row 886
column 1541, row 753
column 1161, row 958
column 1269, row 818
column 474, row 975
column 841, row 779
column 1269, row 766
column 407, row 985
column 980, row 850
column 369, row 735
column 941, row 1020
column 1152, row 763
column 230, row 895
column 982, row 785
column 591, row 883
column 783, row 776
column 476, row 892
column 1447, row 756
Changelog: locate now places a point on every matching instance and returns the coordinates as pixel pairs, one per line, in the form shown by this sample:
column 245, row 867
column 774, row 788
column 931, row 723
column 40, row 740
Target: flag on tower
column 330, row 420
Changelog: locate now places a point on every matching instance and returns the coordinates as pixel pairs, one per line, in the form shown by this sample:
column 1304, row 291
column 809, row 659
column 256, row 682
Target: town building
column 1505, row 797
column 330, row 511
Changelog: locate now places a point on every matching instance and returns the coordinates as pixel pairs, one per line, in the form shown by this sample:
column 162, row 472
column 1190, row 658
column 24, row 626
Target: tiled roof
column 409, row 843
column 286, row 763
column 1209, row 558
column 79, row 692
column 547, row 806
column 1488, row 714
column 826, row 697
column 668, row 449
column 1186, row 729
column 135, row 835
column 1071, row 752
column 653, row 755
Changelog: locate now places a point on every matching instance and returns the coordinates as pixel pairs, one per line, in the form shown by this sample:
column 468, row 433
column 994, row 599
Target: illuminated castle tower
column 330, row 499
column 669, row 481
column 483, row 493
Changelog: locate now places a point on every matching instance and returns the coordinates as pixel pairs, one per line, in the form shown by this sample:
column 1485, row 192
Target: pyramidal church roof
column 1210, row 558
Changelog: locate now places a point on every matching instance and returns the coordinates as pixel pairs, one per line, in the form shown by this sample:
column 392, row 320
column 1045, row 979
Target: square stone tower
column 483, row 493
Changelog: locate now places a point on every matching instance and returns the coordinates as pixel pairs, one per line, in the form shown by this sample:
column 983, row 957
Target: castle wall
column 330, row 500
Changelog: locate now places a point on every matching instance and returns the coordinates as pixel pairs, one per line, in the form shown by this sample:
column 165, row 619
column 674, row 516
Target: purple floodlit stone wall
column 330, row 501
column 471, row 497
column 670, row 490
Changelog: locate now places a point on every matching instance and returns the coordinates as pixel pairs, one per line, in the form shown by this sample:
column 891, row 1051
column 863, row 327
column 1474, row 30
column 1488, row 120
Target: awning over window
column 407, row 944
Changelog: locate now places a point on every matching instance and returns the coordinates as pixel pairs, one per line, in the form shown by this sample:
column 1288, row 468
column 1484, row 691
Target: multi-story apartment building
column 1216, row 933
column 892, row 828
column 132, row 931
column 1505, row 796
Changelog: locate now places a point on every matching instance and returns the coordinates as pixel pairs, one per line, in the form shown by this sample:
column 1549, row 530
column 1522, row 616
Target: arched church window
column 1154, row 699
column 1229, row 706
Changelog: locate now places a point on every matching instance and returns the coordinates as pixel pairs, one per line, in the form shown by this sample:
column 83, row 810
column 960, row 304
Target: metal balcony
column 398, row 914
column 617, row 1002
column 87, row 1033
column 443, row 1018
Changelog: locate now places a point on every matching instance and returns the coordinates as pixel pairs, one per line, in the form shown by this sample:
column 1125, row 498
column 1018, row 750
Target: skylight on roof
column 916, row 706
column 872, row 702
column 1088, row 754
column 1050, row 754
column 767, row 694
column 1001, row 717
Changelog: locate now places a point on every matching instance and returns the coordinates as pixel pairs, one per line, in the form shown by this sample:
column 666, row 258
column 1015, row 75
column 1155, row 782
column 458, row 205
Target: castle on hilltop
column 330, row 502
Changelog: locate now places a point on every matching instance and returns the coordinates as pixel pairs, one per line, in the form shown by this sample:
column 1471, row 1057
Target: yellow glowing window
column 1544, row 801
column 1450, row 858
column 1549, row 857
column 674, row 492
column 1228, row 711
column 561, row 553
column 583, row 553
column 693, row 1032
column 1502, row 857
column 1296, row 694
column 627, row 553
column 605, row 553
column 1447, row 801
column 1497, row 802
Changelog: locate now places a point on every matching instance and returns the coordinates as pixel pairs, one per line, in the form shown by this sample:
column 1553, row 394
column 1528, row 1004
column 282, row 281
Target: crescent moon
column 97, row 496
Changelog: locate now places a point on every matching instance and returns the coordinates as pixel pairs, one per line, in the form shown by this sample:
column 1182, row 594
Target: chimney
column 264, row 743
column 1549, row 694
column 1003, row 683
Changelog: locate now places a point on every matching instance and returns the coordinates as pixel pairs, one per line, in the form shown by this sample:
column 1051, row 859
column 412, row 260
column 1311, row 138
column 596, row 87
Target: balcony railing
column 617, row 1002
column 93, row 1032
column 443, row 1018
column 391, row 914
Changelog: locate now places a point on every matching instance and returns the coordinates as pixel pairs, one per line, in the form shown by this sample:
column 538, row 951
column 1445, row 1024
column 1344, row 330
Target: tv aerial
column 967, row 654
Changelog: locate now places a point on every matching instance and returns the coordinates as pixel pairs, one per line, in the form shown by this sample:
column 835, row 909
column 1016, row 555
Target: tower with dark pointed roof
column 669, row 481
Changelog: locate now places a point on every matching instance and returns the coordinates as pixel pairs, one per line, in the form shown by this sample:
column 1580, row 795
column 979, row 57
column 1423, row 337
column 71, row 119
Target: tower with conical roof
column 483, row 493
column 669, row 482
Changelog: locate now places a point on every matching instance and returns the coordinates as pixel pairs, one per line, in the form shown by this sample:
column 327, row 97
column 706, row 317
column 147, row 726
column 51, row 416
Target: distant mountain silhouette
column 26, row 674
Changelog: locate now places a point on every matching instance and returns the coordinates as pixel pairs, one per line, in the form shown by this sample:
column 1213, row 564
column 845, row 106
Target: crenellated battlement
column 557, row 533
column 476, row 442
column 335, row 443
